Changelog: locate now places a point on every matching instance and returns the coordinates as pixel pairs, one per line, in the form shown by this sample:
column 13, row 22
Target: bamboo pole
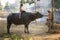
column 52, row 13
column 35, row 10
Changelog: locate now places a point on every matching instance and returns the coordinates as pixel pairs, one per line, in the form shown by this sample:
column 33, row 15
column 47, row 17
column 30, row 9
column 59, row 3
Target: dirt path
column 37, row 31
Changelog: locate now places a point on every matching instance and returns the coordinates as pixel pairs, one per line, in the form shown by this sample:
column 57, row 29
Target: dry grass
column 57, row 26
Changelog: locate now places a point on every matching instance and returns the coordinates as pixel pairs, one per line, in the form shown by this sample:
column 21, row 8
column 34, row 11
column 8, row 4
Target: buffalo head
column 38, row 15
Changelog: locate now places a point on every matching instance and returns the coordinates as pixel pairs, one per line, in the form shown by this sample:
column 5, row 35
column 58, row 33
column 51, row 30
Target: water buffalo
column 25, row 19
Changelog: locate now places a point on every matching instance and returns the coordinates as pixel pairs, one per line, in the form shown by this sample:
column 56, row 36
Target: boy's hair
column 49, row 11
column 21, row 4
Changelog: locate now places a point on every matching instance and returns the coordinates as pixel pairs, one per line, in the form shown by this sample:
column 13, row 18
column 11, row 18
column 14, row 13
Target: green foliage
column 12, row 36
column 27, row 1
column 7, row 7
column 30, row 2
column 7, row 4
column 15, row 37
column 22, row 1
column 0, row 6
column 26, row 38
column 57, row 3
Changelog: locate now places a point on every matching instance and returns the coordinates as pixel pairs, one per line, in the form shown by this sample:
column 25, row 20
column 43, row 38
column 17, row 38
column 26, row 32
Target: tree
column 30, row 1
column 57, row 3
column 0, row 6
column 22, row 1
column 7, row 7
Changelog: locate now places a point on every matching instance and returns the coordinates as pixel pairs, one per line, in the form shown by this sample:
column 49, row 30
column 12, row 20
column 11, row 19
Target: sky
column 4, row 1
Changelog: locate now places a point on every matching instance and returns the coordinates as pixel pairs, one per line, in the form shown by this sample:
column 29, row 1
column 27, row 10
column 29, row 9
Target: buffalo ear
column 37, row 12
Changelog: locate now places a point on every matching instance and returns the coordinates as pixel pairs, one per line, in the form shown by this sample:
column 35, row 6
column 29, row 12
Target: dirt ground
column 37, row 31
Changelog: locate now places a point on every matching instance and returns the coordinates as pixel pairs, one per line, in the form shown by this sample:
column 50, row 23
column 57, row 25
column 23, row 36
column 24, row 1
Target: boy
column 21, row 5
column 49, row 20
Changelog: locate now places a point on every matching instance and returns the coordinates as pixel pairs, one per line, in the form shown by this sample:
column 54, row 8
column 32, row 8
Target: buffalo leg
column 8, row 28
column 26, row 29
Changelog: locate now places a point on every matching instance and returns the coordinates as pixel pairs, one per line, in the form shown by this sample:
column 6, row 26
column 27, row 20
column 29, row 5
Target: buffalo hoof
column 9, row 33
column 27, row 32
